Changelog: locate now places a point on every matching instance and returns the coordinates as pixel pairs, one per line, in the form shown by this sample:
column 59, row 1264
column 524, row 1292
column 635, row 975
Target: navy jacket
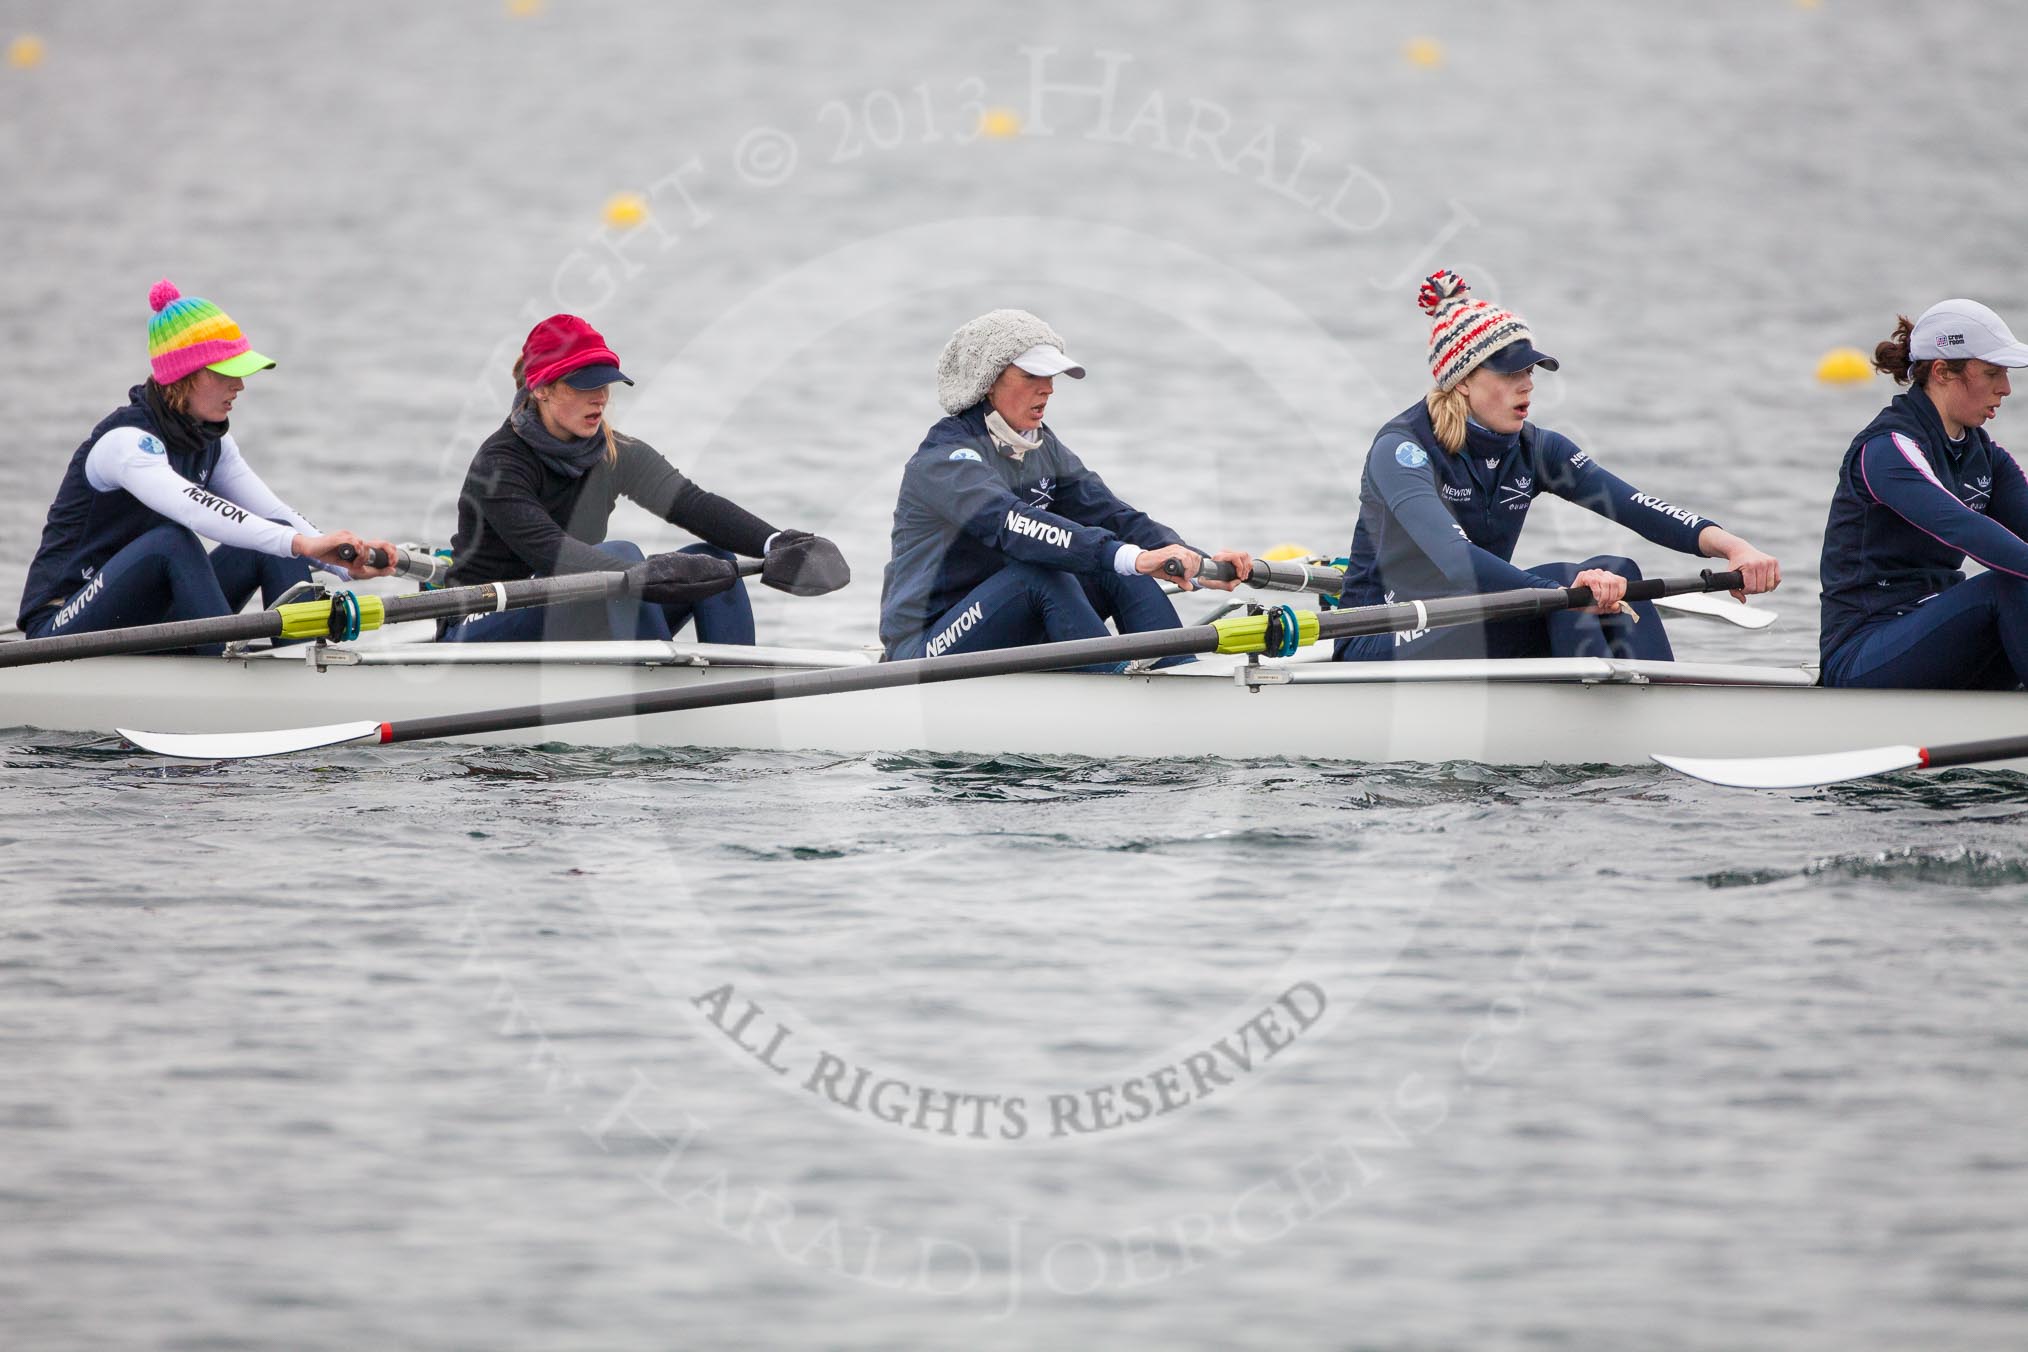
column 1909, row 506
column 85, row 527
column 1432, row 523
column 967, row 510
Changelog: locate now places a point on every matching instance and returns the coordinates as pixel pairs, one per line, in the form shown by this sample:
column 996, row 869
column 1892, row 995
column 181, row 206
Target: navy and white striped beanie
column 1463, row 332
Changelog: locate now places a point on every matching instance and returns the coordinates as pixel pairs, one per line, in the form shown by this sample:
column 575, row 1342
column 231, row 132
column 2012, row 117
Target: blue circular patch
column 152, row 446
column 1412, row 455
column 966, row 453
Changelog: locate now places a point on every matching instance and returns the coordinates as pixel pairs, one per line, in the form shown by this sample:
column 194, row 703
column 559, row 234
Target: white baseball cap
column 1044, row 360
column 1951, row 329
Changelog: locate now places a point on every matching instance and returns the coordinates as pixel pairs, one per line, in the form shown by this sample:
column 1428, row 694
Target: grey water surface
column 458, row 1047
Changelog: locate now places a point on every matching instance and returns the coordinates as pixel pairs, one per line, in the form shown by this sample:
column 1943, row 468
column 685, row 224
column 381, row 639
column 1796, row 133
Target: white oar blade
column 1717, row 606
column 1796, row 772
column 249, row 745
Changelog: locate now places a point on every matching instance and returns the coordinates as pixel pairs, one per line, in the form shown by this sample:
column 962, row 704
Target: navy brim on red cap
column 1519, row 355
column 598, row 377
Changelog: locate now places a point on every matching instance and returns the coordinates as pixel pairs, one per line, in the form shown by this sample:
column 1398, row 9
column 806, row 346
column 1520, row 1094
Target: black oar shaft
column 1444, row 611
column 312, row 619
column 436, row 605
column 142, row 639
column 1974, row 753
column 1108, row 649
column 550, row 591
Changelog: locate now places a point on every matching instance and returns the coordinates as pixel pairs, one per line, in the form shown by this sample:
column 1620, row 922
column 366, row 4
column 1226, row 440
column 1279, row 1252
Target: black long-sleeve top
column 521, row 516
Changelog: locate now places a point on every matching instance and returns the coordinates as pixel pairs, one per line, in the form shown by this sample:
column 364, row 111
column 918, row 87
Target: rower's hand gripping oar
column 424, row 568
column 340, row 617
column 1321, row 578
column 1270, row 576
column 1836, row 767
column 1279, row 632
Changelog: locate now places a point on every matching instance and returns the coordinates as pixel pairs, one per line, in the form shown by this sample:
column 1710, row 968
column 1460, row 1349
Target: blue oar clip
column 1284, row 632
column 344, row 617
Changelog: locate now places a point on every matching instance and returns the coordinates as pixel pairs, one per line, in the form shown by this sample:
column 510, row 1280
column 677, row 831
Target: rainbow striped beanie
column 1463, row 332
column 187, row 333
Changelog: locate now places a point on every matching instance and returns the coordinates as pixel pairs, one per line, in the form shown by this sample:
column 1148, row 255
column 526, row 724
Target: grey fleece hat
column 984, row 347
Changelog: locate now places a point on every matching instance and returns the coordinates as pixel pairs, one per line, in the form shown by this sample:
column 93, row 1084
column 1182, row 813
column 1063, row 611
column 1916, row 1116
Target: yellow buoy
column 1425, row 52
column 522, row 9
column 1844, row 366
column 25, row 52
column 625, row 210
column 999, row 123
column 1283, row 553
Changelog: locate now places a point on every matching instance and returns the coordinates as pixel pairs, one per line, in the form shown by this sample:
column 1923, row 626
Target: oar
column 1278, row 633
column 1297, row 575
column 1270, row 576
column 342, row 616
column 1835, row 767
column 1718, row 608
column 427, row 569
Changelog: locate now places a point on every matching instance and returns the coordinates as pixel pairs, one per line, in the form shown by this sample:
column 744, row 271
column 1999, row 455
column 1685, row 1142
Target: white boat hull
column 1574, row 711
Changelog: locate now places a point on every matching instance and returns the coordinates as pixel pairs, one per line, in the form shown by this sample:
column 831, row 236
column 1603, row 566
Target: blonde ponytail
column 1447, row 409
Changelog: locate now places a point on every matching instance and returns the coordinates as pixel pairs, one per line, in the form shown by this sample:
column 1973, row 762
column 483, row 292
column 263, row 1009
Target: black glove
column 679, row 579
column 803, row 564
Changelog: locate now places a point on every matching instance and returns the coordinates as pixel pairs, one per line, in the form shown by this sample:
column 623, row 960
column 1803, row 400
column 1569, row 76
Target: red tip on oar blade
column 1798, row 772
column 210, row 746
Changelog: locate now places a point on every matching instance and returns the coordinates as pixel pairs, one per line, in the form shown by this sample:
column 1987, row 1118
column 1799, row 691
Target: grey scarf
column 569, row 458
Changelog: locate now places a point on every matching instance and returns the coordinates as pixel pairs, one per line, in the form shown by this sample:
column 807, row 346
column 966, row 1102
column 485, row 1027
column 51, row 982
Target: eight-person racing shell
column 1433, row 523
column 967, row 509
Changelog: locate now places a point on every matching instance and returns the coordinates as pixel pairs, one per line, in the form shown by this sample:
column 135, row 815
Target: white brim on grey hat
column 1044, row 360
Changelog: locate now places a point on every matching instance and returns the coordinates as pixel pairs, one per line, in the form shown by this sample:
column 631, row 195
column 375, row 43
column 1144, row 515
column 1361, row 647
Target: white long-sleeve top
column 237, row 509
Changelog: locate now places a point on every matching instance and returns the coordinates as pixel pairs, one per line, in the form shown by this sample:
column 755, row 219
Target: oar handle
column 1269, row 576
column 1492, row 607
column 1648, row 588
column 427, row 569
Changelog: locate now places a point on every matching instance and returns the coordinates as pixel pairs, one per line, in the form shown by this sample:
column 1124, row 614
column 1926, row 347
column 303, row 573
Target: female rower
column 540, row 490
column 1001, row 536
column 1922, row 487
column 120, row 546
column 1448, row 484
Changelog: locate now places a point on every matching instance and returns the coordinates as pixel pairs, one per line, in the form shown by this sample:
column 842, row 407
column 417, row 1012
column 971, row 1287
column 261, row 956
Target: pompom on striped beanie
column 1463, row 332
column 187, row 333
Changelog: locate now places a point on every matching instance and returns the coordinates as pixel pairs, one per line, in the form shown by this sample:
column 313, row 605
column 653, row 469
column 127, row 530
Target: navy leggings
column 164, row 574
column 1973, row 636
column 724, row 618
column 1024, row 603
column 1564, row 633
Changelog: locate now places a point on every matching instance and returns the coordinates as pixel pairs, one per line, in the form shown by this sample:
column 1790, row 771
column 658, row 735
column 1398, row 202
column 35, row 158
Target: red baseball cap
column 564, row 347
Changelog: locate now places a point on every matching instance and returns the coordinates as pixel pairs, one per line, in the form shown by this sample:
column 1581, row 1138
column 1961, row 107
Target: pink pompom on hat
column 1466, row 333
column 187, row 333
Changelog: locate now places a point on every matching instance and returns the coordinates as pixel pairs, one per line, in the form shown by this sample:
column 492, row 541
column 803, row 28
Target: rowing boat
column 1533, row 711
